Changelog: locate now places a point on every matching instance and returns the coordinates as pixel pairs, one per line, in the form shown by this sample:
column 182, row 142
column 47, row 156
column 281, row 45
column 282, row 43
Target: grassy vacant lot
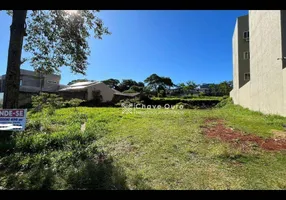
column 162, row 149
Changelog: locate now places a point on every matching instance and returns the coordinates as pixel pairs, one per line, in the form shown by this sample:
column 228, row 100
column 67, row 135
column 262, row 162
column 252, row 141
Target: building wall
column 242, row 46
column 234, row 91
column 105, row 91
column 266, row 85
column 266, row 90
column 73, row 94
column 240, row 65
column 244, row 97
column 31, row 82
column 51, row 82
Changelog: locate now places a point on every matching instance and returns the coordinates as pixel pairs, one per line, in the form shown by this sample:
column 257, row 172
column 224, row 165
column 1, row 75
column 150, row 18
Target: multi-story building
column 259, row 51
column 32, row 82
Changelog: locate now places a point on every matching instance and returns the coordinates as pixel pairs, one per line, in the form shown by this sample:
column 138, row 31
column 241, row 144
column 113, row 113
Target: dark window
column 247, row 76
column 246, row 35
column 51, row 82
column 246, row 55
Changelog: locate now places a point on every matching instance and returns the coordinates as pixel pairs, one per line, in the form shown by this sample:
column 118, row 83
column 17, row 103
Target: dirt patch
column 215, row 128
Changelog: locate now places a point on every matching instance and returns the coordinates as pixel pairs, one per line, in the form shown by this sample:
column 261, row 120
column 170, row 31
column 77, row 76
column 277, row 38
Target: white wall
column 244, row 97
column 266, row 84
column 234, row 92
column 105, row 91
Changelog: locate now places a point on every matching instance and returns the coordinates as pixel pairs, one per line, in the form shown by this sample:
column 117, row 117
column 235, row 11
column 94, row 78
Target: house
column 92, row 90
column 259, row 52
column 33, row 83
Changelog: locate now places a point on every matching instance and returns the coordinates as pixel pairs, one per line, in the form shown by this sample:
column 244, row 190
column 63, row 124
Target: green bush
column 224, row 102
column 47, row 101
column 201, row 94
column 129, row 91
column 74, row 102
column 130, row 101
column 184, row 105
column 161, row 93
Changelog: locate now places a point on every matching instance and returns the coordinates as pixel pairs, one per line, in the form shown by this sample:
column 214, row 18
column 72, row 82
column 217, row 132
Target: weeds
column 157, row 150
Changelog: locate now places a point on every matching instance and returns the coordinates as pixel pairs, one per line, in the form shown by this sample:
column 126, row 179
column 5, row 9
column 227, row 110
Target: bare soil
column 215, row 128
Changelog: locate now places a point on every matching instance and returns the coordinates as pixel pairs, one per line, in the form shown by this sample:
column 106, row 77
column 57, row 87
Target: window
column 21, row 82
column 246, row 55
column 52, row 82
column 246, row 35
column 247, row 76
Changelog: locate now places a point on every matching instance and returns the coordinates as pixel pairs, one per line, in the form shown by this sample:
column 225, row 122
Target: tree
column 213, row 89
column 191, row 85
column 77, row 80
column 136, row 88
column 166, row 82
column 182, row 88
column 126, row 84
column 224, row 88
column 54, row 38
column 154, row 81
column 140, row 84
column 113, row 83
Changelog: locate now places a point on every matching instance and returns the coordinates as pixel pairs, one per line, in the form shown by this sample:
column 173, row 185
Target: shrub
column 161, row 93
column 184, row 105
column 74, row 102
column 224, row 102
column 130, row 101
column 129, row 91
column 201, row 94
column 47, row 101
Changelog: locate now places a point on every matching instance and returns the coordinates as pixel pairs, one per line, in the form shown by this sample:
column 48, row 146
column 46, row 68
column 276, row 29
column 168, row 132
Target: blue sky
column 181, row 44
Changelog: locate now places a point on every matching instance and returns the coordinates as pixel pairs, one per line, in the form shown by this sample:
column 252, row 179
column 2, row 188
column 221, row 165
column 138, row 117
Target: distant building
column 32, row 83
column 91, row 90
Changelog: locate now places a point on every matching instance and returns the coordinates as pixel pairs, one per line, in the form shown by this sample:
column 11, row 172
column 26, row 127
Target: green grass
column 189, row 98
column 146, row 149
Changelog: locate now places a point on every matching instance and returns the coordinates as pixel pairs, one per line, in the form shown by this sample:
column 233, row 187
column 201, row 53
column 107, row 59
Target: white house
column 88, row 90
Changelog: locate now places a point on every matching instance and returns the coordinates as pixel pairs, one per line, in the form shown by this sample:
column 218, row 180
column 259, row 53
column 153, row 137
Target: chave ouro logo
column 131, row 108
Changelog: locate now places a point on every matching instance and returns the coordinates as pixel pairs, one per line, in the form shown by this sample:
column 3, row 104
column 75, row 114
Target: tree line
column 163, row 86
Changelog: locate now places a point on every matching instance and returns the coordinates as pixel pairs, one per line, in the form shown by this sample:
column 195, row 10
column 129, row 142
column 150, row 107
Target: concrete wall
column 51, row 82
column 266, row 85
column 31, row 82
column 266, row 90
column 105, row 91
column 233, row 93
column 244, row 97
column 242, row 46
